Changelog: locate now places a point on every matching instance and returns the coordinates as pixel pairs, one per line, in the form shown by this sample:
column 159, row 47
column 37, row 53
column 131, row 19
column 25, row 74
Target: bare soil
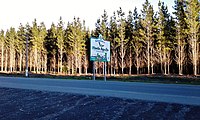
column 20, row 104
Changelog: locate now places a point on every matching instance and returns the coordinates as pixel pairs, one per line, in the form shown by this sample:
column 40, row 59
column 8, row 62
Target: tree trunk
column 61, row 56
column 122, row 56
column 137, row 59
column 111, row 65
column 72, row 64
column 79, row 66
column 14, row 63
column 137, row 63
column 161, row 61
column 168, row 63
column 54, row 64
column 35, row 60
column 148, row 49
column 41, row 62
column 148, row 58
column 68, row 64
column 31, row 63
column 151, row 59
column 115, row 63
column 59, row 64
column 20, row 61
column 194, row 55
column 38, row 63
column 2, row 57
column 45, row 64
column 165, row 62
column 130, row 62
column 6, row 61
column 11, row 59
column 86, row 64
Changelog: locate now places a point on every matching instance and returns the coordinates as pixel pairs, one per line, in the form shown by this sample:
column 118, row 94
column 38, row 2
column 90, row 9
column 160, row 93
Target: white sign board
column 99, row 50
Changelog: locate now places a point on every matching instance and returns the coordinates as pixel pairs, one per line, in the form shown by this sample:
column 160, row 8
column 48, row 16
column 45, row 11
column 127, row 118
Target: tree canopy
column 142, row 42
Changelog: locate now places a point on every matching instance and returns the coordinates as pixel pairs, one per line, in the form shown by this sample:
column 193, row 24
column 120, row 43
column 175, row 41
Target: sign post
column 105, row 71
column 93, row 70
column 99, row 51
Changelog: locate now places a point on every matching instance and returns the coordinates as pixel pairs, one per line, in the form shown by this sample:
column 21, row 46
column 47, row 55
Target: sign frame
column 99, row 49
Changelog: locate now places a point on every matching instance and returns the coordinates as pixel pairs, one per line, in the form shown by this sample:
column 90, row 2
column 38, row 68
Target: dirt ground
column 20, row 104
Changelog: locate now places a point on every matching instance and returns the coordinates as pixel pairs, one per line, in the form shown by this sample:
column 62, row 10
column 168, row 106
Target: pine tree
column 147, row 31
column 104, row 25
column 51, row 46
column 20, row 44
column 170, row 35
column 104, row 32
column 129, row 37
column 2, row 44
column 86, row 37
column 60, row 43
column 11, row 37
column 181, row 34
column 193, row 8
column 35, row 47
column 76, row 43
column 163, row 41
column 112, row 39
column 43, row 51
column 121, row 41
column 138, row 43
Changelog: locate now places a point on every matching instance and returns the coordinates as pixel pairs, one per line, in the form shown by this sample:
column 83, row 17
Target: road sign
column 99, row 49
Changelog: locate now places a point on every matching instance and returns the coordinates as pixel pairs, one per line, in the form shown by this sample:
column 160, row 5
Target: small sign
column 99, row 49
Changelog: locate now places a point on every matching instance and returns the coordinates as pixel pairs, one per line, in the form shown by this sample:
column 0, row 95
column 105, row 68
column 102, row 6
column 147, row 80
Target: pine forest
column 142, row 42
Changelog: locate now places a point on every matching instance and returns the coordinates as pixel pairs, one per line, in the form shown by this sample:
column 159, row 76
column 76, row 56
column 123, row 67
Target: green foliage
column 60, row 34
column 21, row 39
column 2, row 37
column 51, row 40
column 146, row 36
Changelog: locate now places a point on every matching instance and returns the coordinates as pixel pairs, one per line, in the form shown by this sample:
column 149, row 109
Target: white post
column 93, row 70
column 26, row 71
column 105, row 71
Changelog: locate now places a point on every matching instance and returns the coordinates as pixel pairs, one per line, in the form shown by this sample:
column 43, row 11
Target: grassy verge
column 169, row 79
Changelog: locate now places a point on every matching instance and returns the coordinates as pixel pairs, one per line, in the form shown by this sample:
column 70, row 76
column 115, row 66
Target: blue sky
column 14, row 12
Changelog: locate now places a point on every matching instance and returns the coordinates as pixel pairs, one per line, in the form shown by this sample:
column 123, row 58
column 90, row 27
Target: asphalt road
column 181, row 94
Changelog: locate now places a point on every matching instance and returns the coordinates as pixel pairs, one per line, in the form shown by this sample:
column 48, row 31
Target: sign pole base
column 105, row 71
column 94, row 70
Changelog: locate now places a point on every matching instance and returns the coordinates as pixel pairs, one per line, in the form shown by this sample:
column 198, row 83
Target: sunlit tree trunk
column 54, row 63
column 31, row 61
column 20, row 61
column 130, row 61
column 168, row 63
column 152, row 60
column 2, row 56
column 61, row 61
column 148, row 57
column 165, row 62
column 85, row 63
column 35, row 59
column 161, row 60
column 72, row 64
column 11, row 58
column 6, row 61
column 45, row 63
column 58, row 65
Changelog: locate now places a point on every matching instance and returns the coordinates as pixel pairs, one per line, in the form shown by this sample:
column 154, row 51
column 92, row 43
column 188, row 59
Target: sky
column 14, row 12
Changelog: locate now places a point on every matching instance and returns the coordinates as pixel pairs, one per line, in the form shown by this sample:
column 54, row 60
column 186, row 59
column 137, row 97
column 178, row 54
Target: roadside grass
column 155, row 78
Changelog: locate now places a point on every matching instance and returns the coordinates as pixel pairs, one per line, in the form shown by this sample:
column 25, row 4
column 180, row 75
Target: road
column 170, row 93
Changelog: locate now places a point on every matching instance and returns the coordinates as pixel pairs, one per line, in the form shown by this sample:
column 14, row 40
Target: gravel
column 21, row 104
